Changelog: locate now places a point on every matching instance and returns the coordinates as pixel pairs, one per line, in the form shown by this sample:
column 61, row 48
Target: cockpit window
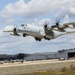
column 25, row 24
column 22, row 24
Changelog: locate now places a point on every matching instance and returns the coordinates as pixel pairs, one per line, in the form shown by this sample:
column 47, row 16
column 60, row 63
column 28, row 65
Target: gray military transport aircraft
column 47, row 32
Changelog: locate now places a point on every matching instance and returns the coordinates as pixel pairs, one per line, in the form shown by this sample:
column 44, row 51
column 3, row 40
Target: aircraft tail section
column 66, row 19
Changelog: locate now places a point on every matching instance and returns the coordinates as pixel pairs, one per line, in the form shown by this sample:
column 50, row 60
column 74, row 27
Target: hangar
column 42, row 56
column 68, row 53
column 65, row 53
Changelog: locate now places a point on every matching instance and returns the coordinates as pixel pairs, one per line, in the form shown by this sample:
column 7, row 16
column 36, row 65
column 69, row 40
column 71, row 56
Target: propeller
column 46, row 23
column 14, row 28
column 15, row 31
column 57, row 23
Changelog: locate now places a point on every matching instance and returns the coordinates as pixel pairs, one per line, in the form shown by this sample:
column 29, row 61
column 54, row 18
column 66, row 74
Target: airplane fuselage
column 37, row 32
column 30, row 30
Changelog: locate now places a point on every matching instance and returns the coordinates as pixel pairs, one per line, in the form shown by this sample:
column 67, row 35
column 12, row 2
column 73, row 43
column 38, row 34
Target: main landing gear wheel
column 37, row 39
column 46, row 38
column 24, row 35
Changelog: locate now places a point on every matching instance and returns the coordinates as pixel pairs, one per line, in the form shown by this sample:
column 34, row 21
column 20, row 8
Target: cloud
column 10, row 27
column 10, row 21
column 40, row 7
column 42, row 22
column 7, row 21
column 66, row 7
column 13, row 9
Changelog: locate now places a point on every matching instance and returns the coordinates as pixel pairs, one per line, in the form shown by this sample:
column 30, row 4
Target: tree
column 21, row 56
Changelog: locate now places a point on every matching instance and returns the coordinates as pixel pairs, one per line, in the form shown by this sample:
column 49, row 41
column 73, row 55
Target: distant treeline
column 13, row 57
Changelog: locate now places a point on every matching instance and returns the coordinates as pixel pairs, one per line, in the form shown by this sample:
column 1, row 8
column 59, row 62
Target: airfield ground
column 33, row 66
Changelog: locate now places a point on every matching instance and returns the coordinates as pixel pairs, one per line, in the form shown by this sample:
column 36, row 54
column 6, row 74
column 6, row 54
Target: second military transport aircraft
column 46, row 32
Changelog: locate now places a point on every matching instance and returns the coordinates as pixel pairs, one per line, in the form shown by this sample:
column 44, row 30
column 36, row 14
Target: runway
column 34, row 63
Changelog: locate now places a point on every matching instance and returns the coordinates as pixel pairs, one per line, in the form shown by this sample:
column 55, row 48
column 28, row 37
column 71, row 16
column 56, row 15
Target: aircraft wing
column 67, row 24
column 69, row 30
column 14, row 32
column 8, row 31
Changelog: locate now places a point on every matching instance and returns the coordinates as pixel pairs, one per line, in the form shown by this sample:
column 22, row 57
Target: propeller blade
column 57, row 23
column 14, row 29
column 46, row 24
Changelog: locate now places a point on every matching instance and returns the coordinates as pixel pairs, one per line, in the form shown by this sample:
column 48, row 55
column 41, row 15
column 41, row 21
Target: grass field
column 59, row 68
column 69, row 72
column 62, row 71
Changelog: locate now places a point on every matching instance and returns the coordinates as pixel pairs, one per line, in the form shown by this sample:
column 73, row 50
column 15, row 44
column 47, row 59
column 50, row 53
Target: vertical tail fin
column 66, row 19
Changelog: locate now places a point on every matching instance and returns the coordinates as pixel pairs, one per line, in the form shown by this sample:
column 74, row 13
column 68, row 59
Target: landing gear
column 37, row 39
column 24, row 35
column 46, row 38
